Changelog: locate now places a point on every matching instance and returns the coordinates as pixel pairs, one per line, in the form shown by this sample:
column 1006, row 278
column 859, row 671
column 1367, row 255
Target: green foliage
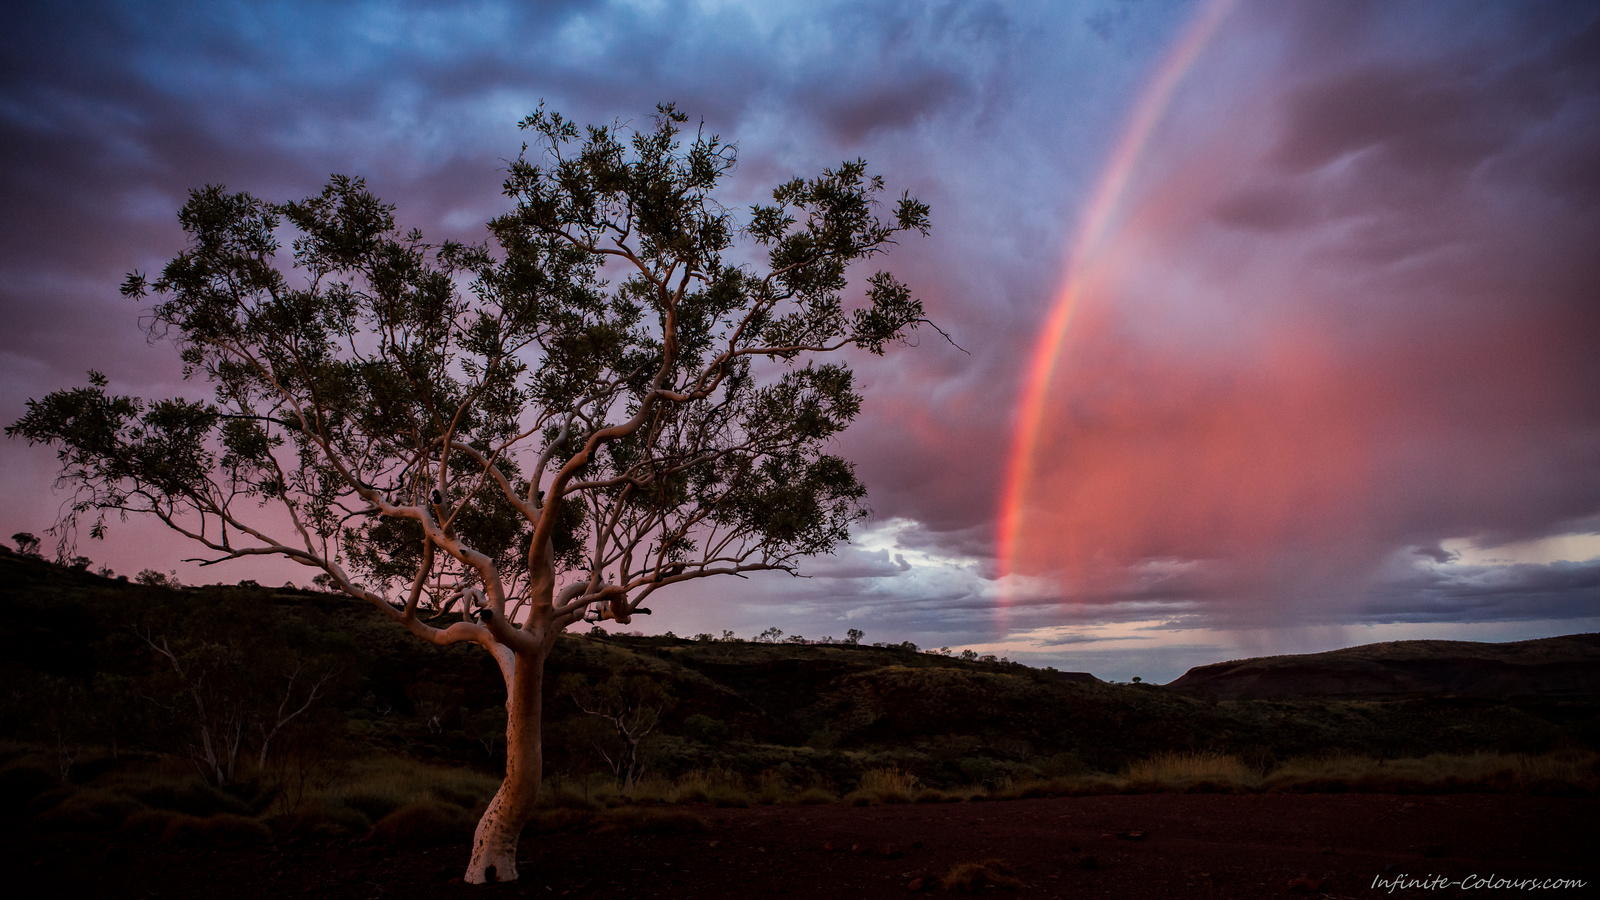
column 578, row 396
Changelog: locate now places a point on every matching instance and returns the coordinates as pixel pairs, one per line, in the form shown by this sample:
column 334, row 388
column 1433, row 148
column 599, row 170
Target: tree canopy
column 604, row 393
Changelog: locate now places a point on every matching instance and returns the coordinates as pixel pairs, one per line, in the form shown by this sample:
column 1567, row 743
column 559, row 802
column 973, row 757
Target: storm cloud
column 1340, row 343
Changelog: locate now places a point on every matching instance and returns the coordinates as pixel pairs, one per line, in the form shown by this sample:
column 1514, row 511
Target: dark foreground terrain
column 1146, row 846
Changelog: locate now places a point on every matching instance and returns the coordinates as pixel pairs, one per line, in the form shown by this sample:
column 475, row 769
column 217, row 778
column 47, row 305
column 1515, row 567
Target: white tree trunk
column 494, row 844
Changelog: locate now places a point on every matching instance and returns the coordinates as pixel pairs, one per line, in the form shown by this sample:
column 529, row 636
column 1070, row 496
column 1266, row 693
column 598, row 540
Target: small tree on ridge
column 492, row 443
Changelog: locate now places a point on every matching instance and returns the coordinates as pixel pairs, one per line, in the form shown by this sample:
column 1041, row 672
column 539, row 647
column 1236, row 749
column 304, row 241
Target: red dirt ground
column 1188, row 846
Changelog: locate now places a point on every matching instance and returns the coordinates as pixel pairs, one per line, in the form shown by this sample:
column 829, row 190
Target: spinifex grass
column 1188, row 771
column 891, row 785
column 716, row 785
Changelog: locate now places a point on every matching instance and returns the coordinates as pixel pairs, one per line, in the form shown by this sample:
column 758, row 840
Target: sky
column 1279, row 321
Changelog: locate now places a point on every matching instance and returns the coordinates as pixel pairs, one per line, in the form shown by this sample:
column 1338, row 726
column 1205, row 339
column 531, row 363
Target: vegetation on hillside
column 105, row 680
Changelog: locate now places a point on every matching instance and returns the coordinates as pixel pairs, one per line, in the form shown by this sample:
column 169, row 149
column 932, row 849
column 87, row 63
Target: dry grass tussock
column 716, row 786
column 1191, row 772
column 1086, row 785
column 892, row 785
column 972, row 877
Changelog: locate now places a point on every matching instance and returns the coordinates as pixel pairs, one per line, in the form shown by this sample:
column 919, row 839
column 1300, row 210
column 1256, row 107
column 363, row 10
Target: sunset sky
column 1282, row 319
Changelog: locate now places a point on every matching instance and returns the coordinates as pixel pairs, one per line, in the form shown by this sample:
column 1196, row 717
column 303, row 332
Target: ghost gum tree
column 491, row 443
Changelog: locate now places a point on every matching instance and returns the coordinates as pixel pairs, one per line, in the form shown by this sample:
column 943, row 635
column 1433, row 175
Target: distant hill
column 1549, row 667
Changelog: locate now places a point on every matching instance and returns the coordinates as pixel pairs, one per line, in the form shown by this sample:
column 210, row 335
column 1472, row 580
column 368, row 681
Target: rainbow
column 1093, row 230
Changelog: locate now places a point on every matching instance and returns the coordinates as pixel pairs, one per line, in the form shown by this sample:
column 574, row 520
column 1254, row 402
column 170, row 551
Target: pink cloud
column 1341, row 318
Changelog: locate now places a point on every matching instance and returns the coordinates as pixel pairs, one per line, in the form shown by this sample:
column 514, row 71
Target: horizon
column 1280, row 317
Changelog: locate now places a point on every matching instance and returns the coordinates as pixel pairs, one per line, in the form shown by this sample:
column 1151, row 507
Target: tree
column 27, row 543
column 617, row 392
column 630, row 704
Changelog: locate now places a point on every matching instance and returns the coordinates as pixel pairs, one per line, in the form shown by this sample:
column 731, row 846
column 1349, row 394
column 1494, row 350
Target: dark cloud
column 1559, row 590
column 863, row 111
column 1416, row 117
column 1437, row 553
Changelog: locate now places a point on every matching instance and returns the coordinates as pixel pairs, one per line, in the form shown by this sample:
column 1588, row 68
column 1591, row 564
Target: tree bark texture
column 494, row 844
